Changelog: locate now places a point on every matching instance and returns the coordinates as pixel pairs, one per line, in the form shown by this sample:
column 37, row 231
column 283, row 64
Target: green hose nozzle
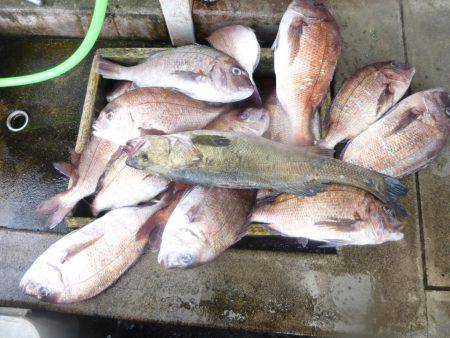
column 89, row 40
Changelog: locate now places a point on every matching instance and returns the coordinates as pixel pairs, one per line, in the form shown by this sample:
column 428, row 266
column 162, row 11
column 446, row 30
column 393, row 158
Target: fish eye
column 236, row 71
column 109, row 114
column 243, row 115
column 144, row 157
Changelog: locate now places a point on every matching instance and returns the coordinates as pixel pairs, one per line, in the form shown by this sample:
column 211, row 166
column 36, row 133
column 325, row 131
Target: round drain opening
column 17, row 120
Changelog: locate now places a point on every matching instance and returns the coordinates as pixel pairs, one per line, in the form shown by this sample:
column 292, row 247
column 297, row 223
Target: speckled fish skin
column 209, row 220
column 205, row 223
column 200, row 72
column 364, row 98
column 87, row 261
column 122, row 185
column 407, row 138
column 234, row 160
column 280, row 129
column 153, row 110
column 240, row 43
column 340, row 216
column 93, row 161
column 307, row 48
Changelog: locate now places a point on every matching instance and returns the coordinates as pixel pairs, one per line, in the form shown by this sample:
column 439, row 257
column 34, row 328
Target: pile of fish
column 186, row 155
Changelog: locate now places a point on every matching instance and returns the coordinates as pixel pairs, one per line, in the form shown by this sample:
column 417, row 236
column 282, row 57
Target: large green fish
column 234, row 160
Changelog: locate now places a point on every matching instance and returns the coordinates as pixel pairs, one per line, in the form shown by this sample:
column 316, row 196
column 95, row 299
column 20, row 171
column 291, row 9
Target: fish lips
column 177, row 260
column 131, row 148
column 39, row 291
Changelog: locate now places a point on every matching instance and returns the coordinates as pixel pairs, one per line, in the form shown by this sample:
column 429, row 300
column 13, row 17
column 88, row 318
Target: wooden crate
column 96, row 99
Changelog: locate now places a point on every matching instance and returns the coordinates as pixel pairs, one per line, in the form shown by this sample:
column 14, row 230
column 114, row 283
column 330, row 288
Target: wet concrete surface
column 54, row 107
column 430, row 57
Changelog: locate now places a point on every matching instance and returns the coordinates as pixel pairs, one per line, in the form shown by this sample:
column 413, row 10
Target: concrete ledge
column 361, row 290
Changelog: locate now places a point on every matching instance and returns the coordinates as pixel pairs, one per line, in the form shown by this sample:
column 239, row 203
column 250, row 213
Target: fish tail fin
column 111, row 70
column 393, row 189
column 57, row 207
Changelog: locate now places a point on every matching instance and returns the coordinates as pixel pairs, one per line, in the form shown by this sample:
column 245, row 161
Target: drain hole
column 17, row 120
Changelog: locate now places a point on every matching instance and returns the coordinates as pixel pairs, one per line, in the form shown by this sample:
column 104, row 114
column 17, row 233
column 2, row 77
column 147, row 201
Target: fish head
column 44, row 282
column 388, row 222
column 309, row 10
column 399, row 75
column 251, row 121
column 230, row 79
column 161, row 154
column 187, row 249
column 437, row 110
column 115, row 123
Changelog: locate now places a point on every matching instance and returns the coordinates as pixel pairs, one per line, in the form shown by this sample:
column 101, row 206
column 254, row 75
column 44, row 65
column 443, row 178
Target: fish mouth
column 177, row 261
column 41, row 292
column 309, row 9
column 132, row 146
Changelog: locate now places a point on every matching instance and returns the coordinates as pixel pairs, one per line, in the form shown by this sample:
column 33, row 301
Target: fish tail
column 111, row 70
column 393, row 189
column 58, row 207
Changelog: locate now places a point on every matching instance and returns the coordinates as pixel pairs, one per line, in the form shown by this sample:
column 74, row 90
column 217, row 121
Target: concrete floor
column 397, row 289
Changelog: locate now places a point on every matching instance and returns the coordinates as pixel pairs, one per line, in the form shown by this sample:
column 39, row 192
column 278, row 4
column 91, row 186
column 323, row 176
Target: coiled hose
column 89, row 40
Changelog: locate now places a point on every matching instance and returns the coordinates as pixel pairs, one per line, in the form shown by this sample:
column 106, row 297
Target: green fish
column 234, row 160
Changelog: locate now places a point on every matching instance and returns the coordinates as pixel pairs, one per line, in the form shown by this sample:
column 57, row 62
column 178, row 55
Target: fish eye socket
column 243, row 115
column 236, row 71
column 109, row 114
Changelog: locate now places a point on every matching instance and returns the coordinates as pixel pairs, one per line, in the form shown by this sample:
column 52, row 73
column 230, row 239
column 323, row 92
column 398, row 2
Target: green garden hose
column 89, row 40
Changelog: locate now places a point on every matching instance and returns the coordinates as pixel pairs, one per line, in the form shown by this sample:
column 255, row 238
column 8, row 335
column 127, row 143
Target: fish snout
column 39, row 291
column 176, row 260
column 132, row 146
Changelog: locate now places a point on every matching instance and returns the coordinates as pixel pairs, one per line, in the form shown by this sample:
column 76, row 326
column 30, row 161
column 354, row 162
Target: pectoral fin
column 189, row 76
column 194, row 213
column 384, row 101
column 294, row 36
column 308, row 190
column 340, row 224
column 409, row 117
column 77, row 247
